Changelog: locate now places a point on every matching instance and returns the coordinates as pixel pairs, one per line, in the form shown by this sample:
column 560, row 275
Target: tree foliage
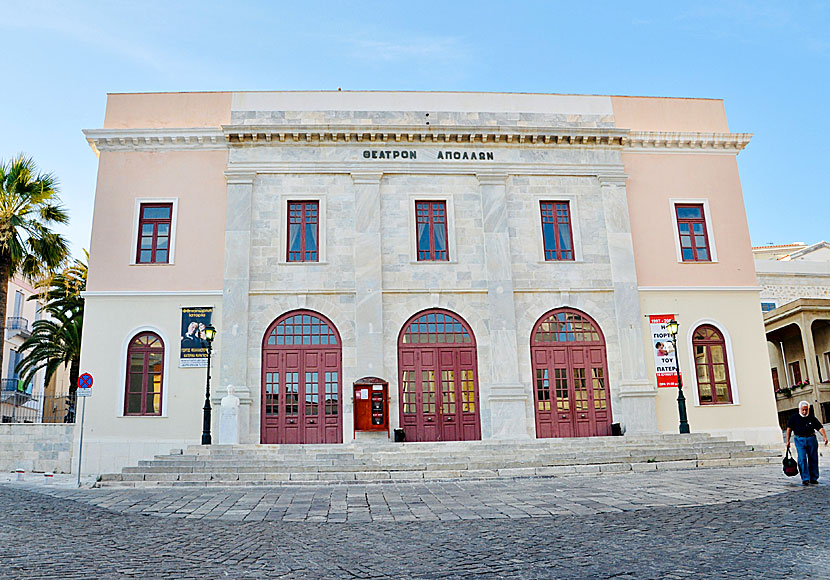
column 29, row 208
column 56, row 339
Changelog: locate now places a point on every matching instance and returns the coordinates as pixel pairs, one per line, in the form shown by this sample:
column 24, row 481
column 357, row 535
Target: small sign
column 665, row 359
column 85, row 385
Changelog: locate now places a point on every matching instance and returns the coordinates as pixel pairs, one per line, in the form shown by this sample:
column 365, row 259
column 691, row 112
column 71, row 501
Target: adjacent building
column 795, row 299
column 460, row 266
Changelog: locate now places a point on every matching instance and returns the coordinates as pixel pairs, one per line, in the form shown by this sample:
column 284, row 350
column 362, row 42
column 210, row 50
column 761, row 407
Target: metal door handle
column 582, row 416
column 291, row 421
column 428, row 419
column 312, row 421
column 564, row 416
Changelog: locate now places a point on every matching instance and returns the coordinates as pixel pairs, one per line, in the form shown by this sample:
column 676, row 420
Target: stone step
column 345, row 477
column 434, row 465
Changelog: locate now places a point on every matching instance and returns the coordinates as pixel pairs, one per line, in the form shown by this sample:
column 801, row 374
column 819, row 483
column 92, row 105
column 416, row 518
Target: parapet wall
column 36, row 447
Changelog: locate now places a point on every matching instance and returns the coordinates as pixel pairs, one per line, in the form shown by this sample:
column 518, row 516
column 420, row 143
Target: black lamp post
column 210, row 334
column 672, row 327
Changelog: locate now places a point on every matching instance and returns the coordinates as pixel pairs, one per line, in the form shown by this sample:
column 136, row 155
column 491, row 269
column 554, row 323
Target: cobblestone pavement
column 718, row 523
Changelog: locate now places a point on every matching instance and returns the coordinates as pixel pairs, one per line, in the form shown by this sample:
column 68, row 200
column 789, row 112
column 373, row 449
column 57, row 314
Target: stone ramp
column 356, row 462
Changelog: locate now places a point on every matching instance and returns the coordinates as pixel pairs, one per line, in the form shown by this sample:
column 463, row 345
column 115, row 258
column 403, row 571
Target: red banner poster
column 665, row 359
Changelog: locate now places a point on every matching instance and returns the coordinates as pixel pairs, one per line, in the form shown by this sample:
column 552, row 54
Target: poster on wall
column 194, row 345
column 664, row 355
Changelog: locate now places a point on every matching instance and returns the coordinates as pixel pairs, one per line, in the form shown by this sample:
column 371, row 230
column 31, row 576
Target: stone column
column 637, row 410
column 805, row 325
column 233, row 329
column 508, row 398
column 368, row 275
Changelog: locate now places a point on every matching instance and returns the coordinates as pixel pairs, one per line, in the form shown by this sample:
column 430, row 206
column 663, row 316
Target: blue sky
column 769, row 61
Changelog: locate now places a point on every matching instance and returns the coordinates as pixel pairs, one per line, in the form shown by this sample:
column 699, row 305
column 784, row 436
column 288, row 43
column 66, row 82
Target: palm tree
column 56, row 340
column 29, row 206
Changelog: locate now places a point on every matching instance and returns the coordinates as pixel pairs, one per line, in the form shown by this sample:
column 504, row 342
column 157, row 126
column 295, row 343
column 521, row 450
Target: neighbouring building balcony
column 17, row 326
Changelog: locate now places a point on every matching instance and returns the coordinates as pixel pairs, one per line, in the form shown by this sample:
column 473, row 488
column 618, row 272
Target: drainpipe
column 786, row 368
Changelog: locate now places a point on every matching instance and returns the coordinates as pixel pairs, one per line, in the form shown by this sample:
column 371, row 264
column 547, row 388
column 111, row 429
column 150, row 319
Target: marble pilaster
column 368, row 274
column 235, row 299
column 636, row 410
column 507, row 397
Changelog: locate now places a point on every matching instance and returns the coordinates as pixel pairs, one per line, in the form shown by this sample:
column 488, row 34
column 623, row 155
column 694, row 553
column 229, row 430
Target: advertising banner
column 194, row 345
column 664, row 356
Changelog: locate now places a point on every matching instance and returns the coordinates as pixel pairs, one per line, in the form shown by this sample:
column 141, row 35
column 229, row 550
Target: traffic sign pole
column 81, row 443
column 84, row 391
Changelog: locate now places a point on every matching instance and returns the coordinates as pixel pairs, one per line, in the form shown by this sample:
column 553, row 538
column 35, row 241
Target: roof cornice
column 570, row 137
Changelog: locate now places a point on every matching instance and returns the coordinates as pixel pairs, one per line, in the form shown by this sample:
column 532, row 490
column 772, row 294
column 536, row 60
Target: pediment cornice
column 570, row 137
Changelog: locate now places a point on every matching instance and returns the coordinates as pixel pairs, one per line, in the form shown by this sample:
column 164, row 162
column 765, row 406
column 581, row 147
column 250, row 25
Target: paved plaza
column 711, row 523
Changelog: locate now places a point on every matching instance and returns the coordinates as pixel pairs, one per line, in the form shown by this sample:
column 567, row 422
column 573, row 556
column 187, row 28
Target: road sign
column 85, row 385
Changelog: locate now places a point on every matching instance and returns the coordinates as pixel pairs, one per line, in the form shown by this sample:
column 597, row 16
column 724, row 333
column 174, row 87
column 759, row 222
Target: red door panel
column 569, row 367
column 301, row 374
column 438, row 386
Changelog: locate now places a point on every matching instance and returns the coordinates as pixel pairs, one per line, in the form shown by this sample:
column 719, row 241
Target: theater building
column 462, row 266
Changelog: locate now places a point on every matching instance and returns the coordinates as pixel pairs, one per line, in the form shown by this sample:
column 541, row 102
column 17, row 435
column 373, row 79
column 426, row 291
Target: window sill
column 286, row 263
column 697, row 262
column 560, row 261
column 145, row 264
column 163, row 416
column 440, row 262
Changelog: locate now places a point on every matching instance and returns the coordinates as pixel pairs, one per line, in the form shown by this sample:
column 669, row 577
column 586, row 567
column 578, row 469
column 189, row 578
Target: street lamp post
column 210, row 334
column 672, row 327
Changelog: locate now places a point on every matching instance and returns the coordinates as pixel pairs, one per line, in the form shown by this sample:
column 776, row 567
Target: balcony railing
column 17, row 325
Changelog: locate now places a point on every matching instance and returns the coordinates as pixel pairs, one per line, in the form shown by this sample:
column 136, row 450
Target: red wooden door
column 570, row 373
column 438, row 383
column 301, row 400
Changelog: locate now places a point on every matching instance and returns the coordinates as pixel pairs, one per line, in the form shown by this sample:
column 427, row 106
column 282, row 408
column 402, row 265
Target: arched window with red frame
column 145, row 375
column 711, row 366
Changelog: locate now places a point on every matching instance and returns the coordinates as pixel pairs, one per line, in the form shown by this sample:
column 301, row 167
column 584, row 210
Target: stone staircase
column 375, row 462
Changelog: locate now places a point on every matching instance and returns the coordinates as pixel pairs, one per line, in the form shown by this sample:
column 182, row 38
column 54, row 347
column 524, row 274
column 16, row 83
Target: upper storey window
column 691, row 226
column 154, row 224
column 556, row 230
column 431, row 224
column 303, row 231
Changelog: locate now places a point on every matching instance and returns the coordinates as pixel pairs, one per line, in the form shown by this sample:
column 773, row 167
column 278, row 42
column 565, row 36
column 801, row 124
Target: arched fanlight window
column 145, row 370
column 711, row 366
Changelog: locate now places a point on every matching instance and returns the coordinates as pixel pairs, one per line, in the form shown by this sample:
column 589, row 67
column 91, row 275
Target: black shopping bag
column 790, row 464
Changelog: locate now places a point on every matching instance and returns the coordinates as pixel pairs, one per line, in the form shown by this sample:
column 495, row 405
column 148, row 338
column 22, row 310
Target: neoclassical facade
column 485, row 264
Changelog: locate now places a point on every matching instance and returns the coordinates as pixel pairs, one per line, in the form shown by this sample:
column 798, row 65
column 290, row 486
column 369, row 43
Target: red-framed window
column 154, row 225
column 795, row 372
column 775, row 384
column 303, row 231
column 712, row 368
column 557, row 233
column 145, row 369
column 431, row 229
column 691, row 226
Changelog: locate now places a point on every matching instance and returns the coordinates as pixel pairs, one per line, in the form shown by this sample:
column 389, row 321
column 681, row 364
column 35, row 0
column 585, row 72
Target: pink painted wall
column 166, row 110
column 197, row 179
column 661, row 114
column 653, row 180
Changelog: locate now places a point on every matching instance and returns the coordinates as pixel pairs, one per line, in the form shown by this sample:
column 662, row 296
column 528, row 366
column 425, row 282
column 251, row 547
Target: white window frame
column 452, row 246
column 710, row 232
column 730, row 362
column 168, row 349
column 576, row 233
column 171, row 255
column 322, row 257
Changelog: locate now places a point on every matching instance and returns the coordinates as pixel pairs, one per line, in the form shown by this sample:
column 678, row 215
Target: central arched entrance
column 570, row 374
column 301, row 390
column 438, row 379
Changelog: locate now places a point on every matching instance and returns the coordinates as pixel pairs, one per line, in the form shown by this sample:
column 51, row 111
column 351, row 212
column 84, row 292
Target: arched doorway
column 301, row 380
column 438, row 379
column 570, row 374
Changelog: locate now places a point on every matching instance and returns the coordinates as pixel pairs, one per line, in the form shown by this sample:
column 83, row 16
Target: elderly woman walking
column 805, row 426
